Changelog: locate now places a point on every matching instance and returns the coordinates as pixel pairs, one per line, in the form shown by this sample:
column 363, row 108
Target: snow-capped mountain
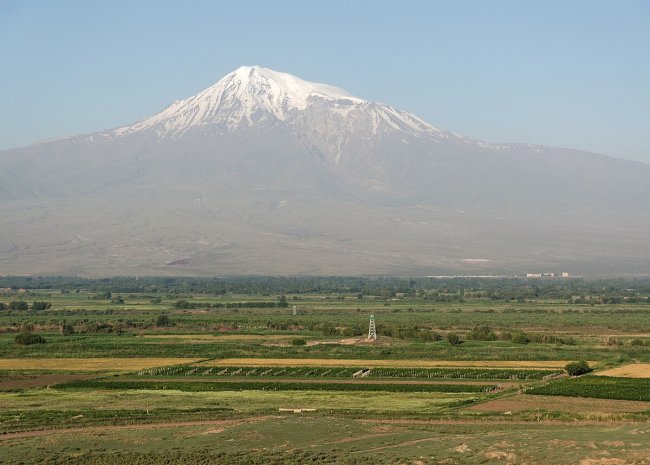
column 248, row 96
column 253, row 95
column 324, row 117
column 264, row 172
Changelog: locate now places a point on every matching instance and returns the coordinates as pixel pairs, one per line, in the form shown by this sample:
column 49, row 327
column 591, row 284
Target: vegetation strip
column 317, row 381
column 349, row 372
column 600, row 387
column 276, row 386
column 90, row 364
column 135, row 426
column 485, row 364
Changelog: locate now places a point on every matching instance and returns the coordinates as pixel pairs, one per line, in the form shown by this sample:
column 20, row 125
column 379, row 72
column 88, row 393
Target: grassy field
column 170, row 373
column 89, row 364
column 300, row 440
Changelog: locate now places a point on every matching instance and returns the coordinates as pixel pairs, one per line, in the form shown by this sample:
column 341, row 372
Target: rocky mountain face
column 264, row 173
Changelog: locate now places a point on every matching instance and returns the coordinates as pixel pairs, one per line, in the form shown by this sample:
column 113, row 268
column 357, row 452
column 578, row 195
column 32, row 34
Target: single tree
column 163, row 321
column 577, row 368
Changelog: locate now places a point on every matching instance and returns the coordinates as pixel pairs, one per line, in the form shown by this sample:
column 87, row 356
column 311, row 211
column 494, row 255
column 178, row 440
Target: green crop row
column 272, row 386
column 283, row 372
column 459, row 373
column 324, row 372
column 601, row 387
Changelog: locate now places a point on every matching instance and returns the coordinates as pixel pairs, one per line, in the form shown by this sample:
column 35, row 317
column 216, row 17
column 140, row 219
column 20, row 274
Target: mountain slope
column 266, row 173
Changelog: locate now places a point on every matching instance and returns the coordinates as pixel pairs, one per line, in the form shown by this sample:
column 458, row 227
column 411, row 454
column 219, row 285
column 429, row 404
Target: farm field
column 599, row 387
column 299, row 440
column 633, row 370
column 89, row 364
column 582, row 406
column 176, row 371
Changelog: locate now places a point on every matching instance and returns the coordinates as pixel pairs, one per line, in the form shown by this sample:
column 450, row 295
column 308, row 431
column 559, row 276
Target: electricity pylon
column 372, row 331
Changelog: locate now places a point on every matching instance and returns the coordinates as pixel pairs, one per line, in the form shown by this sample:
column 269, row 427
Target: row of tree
column 444, row 289
column 22, row 305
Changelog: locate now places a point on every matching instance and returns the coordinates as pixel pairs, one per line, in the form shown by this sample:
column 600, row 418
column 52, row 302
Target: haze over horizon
column 561, row 75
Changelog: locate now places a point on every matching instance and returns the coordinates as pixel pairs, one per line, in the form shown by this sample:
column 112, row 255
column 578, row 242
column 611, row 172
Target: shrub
column 26, row 339
column 67, row 329
column 163, row 321
column 520, row 338
column 330, row 330
column 453, row 339
column 298, row 341
column 636, row 342
column 482, row 333
column 577, row 368
column 41, row 305
column 18, row 305
column 183, row 304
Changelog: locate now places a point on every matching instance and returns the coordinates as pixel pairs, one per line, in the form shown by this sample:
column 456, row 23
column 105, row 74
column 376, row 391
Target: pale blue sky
column 566, row 73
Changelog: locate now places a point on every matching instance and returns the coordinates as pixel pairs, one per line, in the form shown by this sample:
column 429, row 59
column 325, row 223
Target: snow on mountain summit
column 254, row 95
column 246, row 96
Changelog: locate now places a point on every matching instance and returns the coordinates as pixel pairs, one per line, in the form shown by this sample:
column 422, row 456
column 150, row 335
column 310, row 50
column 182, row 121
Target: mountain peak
column 280, row 85
column 244, row 97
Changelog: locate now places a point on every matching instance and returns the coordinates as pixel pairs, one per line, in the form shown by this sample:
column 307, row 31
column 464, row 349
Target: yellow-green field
column 90, row 364
column 633, row 370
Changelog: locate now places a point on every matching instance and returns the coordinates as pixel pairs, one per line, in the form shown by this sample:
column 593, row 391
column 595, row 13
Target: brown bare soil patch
column 90, row 364
column 501, row 455
column 102, row 429
column 633, row 370
column 28, row 382
column 317, row 362
column 603, row 461
column 523, row 402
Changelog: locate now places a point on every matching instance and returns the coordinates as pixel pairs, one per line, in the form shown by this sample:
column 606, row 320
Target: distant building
column 564, row 274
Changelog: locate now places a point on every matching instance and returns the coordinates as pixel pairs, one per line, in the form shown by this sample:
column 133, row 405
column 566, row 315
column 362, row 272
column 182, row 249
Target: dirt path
column 89, row 429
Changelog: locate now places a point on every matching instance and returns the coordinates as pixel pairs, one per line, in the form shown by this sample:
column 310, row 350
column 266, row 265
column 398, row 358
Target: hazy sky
column 566, row 73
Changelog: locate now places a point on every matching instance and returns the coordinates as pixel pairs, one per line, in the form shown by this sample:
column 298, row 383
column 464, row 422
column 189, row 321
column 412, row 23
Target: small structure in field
column 296, row 410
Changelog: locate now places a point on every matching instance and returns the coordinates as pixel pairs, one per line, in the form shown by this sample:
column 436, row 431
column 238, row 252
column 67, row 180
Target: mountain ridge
column 256, row 176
